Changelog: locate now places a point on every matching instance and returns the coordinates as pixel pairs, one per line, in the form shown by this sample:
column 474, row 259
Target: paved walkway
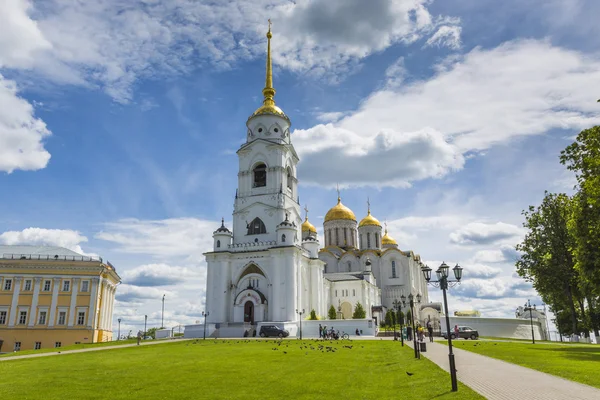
column 119, row 346
column 496, row 379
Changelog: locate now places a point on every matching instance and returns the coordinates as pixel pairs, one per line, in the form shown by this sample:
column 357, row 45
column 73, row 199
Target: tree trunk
column 594, row 317
column 586, row 331
column 572, row 309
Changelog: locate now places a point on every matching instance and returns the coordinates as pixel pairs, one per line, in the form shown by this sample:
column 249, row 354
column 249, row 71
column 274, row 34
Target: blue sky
column 119, row 125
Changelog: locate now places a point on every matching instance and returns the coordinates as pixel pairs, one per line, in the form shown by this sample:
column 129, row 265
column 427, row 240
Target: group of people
column 324, row 333
column 420, row 332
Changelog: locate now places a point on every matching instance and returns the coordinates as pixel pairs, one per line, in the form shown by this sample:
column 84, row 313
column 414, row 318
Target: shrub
column 359, row 312
column 313, row 315
column 332, row 314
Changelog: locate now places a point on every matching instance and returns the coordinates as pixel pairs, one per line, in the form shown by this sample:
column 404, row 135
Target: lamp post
column 411, row 303
column 529, row 308
column 145, row 323
column 300, row 314
column 119, row 331
column 443, row 283
column 162, row 321
column 397, row 305
column 205, row 314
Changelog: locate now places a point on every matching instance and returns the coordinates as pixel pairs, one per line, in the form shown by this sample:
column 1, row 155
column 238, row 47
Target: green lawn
column 73, row 347
column 233, row 369
column 579, row 363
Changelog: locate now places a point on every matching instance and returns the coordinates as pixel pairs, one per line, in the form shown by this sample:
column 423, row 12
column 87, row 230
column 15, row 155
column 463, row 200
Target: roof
column 38, row 250
column 337, row 277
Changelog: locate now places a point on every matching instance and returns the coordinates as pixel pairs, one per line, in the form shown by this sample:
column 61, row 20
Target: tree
column 546, row 258
column 400, row 317
column 408, row 317
column 332, row 314
column 313, row 315
column 359, row 312
column 152, row 333
column 388, row 318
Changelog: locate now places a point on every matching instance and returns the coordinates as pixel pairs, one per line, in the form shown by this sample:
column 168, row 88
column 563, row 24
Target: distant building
column 54, row 297
column 467, row 313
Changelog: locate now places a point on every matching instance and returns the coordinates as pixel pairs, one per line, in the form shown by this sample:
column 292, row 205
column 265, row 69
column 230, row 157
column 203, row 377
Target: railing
column 252, row 245
column 47, row 257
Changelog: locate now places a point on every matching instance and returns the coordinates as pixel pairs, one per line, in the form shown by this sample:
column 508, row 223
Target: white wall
column 501, row 327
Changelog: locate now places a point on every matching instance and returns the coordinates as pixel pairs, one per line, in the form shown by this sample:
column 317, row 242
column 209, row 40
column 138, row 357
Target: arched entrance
column 249, row 312
column 347, row 310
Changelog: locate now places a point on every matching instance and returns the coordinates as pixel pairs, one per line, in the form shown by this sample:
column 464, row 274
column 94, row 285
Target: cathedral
column 270, row 266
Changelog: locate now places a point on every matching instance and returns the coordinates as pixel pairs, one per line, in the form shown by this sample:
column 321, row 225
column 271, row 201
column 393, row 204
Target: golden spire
column 269, row 106
column 337, row 187
column 368, row 206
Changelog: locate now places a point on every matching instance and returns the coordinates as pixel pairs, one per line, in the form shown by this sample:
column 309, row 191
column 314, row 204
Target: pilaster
column 72, row 306
column 55, row 283
column 15, row 301
column 37, row 283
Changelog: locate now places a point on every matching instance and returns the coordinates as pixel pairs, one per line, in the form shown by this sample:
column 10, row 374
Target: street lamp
column 162, row 322
column 529, row 308
column 119, row 332
column 145, row 323
column 205, row 314
column 300, row 314
column 443, row 283
column 411, row 303
column 397, row 305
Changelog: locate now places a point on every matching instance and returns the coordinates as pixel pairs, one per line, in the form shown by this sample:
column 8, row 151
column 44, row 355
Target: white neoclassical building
column 270, row 264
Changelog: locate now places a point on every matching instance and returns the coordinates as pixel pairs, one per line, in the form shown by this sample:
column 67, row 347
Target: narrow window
column 27, row 285
column 362, row 245
column 62, row 316
column 57, row 344
column 336, row 293
column 282, row 238
column 2, row 317
column 345, row 237
column 353, row 292
column 290, row 183
column 85, row 286
column 260, row 175
column 38, row 345
column 66, row 286
column 218, row 243
column 330, row 238
column 81, row 318
column 393, row 269
column 369, row 240
column 337, row 236
column 22, row 317
column 17, row 346
column 47, row 286
column 7, row 284
column 349, row 266
column 42, row 320
column 376, row 239
column 256, row 227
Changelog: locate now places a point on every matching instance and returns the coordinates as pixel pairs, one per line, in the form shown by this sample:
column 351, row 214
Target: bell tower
column 267, row 192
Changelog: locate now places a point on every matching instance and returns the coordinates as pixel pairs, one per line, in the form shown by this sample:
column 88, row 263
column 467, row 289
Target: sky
column 119, row 123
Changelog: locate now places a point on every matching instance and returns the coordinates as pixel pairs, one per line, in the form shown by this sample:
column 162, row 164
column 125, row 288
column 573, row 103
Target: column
column 111, row 306
column 100, row 300
column 56, row 283
column 102, row 317
column 37, row 283
column 93, row 308
column 15, row 301
column 73, row 305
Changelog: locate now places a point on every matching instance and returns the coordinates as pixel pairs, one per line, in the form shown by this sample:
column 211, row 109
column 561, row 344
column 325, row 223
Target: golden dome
column 339, row 211
column 308, row 227
column 387, row 239
column 369, row 220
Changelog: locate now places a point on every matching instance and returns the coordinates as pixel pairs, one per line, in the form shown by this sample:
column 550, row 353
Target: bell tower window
column 369, row 240
column 218, row 243
column 256, row 227
column 260, row 175
column 289, row 178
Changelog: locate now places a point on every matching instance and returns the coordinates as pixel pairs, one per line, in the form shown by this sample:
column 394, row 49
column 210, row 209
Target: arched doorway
column 249, row 312
column 347, row 310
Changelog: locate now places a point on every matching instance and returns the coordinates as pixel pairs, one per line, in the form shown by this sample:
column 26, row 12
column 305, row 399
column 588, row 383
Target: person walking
column 320, row 331
column 430, row 330
column 139, row 337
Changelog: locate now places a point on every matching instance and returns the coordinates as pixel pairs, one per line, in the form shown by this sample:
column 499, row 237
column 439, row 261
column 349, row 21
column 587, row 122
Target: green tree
column 400, row 317
column 359, row 312
column 408, row 317
column 332, row 314
column 152, row 333
column 388, row 318
column 313, row 315
column 546, row 258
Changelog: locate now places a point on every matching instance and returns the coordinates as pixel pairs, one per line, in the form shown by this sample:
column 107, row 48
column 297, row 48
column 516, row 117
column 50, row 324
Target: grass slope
column 215, row 369
column 73, row 347
column 578, row 363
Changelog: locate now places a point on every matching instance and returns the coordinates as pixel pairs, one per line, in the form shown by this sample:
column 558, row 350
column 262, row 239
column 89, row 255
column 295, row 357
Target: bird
column 409, row 373
column 285, row 352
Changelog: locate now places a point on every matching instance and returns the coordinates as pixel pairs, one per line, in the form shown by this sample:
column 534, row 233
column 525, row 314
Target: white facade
column 269, row 265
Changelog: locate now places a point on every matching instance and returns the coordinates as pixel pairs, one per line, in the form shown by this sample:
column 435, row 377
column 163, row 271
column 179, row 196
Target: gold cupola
column 369, row 220
column 269, row 106
column 339, row 211
column 388, row 240
column 307, row 226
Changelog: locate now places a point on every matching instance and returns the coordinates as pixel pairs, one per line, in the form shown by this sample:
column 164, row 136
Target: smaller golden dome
column 387, row 239
column 308, row 227
column 369, row 220
column 339, row 211
column 269, row 109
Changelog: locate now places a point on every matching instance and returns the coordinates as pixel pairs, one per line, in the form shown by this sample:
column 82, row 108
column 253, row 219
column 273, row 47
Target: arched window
column 282, row 238
column 376, row 239
column 260, row 175
column 256, row 227
column 368, row 240
column 329, row 238
column 218, row 243
column 362, row 245
column 289, row 178
column 349, row 266
column 393, row 269
column 337, row 236
column 345, row 237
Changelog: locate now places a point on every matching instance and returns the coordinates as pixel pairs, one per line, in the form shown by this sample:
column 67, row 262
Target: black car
column 464, row 332
column 273, row 330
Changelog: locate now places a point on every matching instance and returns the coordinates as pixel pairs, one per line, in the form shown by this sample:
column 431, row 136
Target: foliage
column 359, row 312
column 151, row 332
column 172, row 370
column 575, row 362
column 332, row 314
column 408, row 318
column 313, row 315
column 388, row 318
column 400, row 317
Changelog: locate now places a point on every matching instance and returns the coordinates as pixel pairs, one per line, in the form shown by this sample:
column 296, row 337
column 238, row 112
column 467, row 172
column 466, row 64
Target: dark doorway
column 249, row 312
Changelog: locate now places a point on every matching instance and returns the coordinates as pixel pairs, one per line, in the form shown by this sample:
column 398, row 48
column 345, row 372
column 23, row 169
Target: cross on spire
column 368, row 206
column 337, row 187
column 269, row 24
column 306, row 209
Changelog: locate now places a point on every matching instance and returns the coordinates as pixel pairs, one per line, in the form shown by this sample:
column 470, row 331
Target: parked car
column 273, row 330
column 464, row 332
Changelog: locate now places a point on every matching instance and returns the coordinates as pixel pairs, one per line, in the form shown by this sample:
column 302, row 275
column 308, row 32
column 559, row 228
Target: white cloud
column 424, row 128
column 479, row 233
column 66, row 238
column 160, row 275
column 445, row 36
column 130, row 293
column 111, row 44
column 21, row 133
